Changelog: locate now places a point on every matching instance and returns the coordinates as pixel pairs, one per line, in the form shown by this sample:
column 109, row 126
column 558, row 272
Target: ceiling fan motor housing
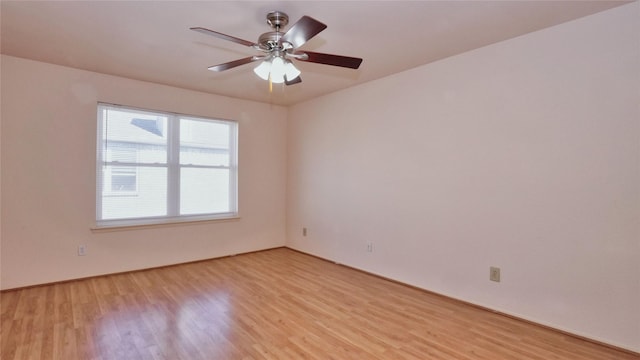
column 270, row 41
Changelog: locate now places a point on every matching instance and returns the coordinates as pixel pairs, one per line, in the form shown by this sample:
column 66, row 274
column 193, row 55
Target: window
column 156, row 167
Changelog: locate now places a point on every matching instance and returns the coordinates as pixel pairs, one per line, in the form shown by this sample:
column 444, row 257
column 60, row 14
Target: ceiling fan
column 280, row 47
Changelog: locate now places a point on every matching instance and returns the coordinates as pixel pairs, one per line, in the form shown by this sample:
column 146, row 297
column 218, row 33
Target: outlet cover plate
column 494, row 274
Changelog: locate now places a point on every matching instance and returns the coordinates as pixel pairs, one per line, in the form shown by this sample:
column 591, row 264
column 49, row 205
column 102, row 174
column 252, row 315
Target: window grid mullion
column 136, row 164
column 100, row 153
column 233, row 167
column 173, row 161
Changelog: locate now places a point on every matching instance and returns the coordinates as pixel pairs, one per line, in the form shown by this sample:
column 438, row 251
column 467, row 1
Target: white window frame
column 173, row 167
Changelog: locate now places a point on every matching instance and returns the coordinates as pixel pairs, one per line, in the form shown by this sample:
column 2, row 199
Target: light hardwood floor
column 276, row 304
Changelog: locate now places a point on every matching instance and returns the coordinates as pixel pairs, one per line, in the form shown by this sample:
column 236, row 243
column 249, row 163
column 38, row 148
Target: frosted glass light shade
column 277, row 68
column 277, row 71
column 291, row 71
column 263, row 70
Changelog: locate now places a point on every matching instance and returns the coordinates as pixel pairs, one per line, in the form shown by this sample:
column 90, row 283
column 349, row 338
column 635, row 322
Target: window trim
column 173, row 167
column 162, row 222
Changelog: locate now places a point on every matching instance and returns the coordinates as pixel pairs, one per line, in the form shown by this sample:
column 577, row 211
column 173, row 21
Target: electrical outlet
column 82, row 250
column 369, row 247
column 494, row 274
column 304, row 231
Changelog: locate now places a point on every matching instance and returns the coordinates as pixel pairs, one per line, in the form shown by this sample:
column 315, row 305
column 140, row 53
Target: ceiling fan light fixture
column 278, row 69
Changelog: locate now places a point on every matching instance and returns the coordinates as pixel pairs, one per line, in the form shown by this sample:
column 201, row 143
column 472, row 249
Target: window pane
column 204, row 143
column 150, row 198
column 123, row 178
column 204, row 191
column 143, row 133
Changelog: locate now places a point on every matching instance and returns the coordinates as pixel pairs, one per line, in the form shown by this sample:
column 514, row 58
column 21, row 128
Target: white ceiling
column 151, row 40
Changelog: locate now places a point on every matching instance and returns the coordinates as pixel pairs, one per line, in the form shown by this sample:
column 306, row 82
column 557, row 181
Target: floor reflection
column 168, row 328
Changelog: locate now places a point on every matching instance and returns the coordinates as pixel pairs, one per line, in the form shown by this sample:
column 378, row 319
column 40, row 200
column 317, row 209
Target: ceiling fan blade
column 296, row 80
column 328, row 59
column 303, row 30
column 224, row 36
column 234, row 63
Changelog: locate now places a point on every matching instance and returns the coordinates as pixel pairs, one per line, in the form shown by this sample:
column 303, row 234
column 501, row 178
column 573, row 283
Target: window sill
column 160, row 224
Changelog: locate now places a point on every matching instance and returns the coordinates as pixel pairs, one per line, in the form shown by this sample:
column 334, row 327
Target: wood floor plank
column 276, row 304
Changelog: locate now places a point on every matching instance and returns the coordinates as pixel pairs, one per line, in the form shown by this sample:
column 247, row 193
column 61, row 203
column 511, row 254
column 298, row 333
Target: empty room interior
column 320, row 180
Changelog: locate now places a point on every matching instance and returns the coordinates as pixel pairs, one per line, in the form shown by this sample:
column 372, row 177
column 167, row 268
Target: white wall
column 48, row 177
column 523, row 155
